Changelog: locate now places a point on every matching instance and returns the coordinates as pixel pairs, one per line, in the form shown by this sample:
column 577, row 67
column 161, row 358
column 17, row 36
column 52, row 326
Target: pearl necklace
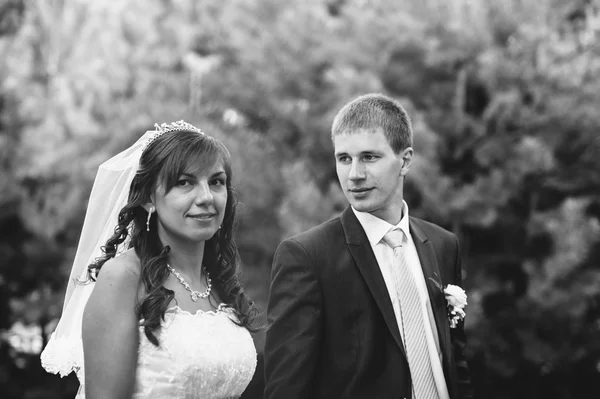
column 194, row 294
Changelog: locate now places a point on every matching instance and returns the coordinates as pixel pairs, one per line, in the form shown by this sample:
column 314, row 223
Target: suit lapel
column 363, row 255
column 433, row 277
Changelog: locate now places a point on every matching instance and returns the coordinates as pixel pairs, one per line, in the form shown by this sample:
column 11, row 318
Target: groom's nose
column 357, row 170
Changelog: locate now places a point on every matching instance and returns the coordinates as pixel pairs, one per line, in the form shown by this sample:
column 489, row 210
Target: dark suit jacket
column 333, row 332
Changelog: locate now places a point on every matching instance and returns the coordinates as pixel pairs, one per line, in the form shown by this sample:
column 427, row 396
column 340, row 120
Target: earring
column 149, row 216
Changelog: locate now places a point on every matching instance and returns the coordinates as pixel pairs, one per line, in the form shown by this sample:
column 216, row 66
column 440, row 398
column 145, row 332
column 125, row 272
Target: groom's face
column 370, row 173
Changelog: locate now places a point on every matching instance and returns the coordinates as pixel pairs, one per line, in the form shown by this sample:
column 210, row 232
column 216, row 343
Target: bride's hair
column 163, row 162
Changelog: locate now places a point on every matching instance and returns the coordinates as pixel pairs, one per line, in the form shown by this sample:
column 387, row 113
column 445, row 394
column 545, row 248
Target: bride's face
column 194, row 208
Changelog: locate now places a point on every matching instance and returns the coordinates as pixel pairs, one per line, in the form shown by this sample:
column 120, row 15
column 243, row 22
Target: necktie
column 412, row 322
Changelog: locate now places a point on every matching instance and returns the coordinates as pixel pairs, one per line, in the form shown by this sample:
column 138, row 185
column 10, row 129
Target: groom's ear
column 407, row 156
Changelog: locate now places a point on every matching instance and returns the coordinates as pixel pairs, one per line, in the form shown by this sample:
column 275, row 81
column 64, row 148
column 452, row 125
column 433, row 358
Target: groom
column 355, row 307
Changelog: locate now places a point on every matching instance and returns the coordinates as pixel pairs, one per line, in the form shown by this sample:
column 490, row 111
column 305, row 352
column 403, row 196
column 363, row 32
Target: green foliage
column 503, row 100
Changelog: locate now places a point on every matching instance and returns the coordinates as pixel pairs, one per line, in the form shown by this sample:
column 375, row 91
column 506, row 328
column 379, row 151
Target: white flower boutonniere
column 456, row 298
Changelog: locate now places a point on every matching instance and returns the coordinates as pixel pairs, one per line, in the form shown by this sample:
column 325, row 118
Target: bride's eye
column 183, row 182
column 218, row 182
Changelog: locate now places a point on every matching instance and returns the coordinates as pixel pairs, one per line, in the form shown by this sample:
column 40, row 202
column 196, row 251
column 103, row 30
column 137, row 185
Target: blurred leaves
column 503, row 101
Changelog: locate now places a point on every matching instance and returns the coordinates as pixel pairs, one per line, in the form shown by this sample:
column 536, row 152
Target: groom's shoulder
column 323, row 233
column 431, row 229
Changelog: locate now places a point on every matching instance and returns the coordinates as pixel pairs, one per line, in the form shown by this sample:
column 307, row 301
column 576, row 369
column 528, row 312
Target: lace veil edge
column 64, row 352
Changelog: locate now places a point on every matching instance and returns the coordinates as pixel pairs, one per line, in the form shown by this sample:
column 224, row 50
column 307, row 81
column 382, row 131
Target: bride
column 154, row 307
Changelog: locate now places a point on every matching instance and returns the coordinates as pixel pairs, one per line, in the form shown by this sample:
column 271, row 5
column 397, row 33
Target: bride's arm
column 110, row 332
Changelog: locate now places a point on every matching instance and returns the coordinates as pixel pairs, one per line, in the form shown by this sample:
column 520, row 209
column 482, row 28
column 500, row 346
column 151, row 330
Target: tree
column 503, row 102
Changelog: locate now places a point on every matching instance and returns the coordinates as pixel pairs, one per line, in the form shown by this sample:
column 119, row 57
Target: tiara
column 171, row 127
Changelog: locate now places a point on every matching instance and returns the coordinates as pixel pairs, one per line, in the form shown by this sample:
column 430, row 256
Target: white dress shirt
column 376, row 229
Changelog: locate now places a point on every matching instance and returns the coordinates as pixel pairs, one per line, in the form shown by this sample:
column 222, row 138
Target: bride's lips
column 202, row 216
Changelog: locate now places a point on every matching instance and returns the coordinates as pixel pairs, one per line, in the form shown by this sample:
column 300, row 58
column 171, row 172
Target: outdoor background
column 504, row 98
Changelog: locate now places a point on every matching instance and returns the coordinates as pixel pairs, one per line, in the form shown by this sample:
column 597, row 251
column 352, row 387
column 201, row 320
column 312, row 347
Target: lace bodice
column 202, row 355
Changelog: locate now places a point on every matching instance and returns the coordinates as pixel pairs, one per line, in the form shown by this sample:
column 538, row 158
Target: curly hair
column 162, row 162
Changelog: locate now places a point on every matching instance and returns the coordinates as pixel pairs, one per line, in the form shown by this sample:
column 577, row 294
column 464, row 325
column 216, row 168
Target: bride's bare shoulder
column 114, row 295
column 124, row 266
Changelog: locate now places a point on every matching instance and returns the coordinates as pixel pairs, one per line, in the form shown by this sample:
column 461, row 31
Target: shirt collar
column 376, row 228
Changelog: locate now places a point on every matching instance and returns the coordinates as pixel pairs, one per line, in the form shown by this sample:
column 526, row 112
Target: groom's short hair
column 375, row 111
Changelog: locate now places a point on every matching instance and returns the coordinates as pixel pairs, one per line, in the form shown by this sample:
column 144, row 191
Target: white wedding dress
column 201, row 355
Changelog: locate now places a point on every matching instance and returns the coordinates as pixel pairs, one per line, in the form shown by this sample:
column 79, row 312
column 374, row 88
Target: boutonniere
column 456, row 300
